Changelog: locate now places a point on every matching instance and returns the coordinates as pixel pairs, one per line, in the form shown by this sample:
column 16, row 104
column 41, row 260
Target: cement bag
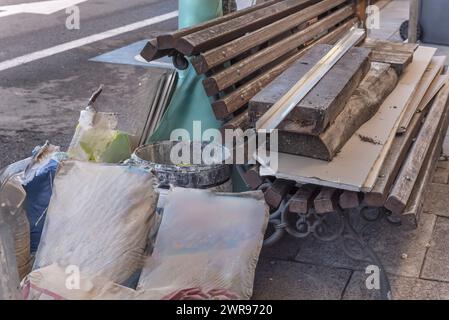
column 207, row 246
column 9, row 277
column 98, row 219
column 96, row 139
column 12, row 197
column 56, row 283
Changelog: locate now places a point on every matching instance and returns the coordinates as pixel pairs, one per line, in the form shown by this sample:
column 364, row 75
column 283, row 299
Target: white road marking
column 8, row 64
column 41, row 7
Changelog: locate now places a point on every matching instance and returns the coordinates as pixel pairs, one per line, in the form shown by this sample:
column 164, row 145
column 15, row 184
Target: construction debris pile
column 362, row 137
column 361, row 124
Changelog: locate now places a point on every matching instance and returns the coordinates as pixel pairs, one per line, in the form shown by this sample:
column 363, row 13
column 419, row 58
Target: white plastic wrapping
column 97, row 139
column 207, row 246
column 98, row 219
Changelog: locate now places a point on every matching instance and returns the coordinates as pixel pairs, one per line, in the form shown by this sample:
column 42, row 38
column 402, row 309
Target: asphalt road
column 40, row 100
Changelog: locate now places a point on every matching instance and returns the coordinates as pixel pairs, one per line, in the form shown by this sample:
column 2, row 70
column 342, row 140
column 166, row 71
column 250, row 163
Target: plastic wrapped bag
column 96, row 139
column 207, row 246
column 54, row 283
column 12, row 197
column 98, row 219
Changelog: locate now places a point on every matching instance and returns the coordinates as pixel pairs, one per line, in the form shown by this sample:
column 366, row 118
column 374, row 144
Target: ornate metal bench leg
column 367, row 254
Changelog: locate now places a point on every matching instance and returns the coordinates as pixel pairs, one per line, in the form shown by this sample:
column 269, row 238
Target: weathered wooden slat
column 350, row 200
column 415, row 205
column 242, row 95
column 324, row 102
column 393, row 162
column 359, row 108
column 358, row 171
column 376, row 44
column 327, row 200
column 244, row 68
column 150, row 52
column 252, row 178
column 277, row 192
column 219, row 34
column 216, row 56
column 238, row 122
column 168, row 41
column 395, row 158
column 399, row 55
column 398, row 60
column 403, row 186
column 432, row 72
column 302, row 201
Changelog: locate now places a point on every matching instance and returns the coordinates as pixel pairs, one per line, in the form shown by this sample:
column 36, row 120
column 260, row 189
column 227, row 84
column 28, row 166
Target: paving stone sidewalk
column 417, row 260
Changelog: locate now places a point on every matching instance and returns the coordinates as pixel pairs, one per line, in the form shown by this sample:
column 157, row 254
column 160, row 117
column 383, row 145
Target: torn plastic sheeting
column 98, row 219
column 207, row 241
column 96, row 138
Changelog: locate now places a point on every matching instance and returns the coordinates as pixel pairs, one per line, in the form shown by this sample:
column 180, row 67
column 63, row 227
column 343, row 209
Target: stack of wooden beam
column 241, row 53
column 390, row 156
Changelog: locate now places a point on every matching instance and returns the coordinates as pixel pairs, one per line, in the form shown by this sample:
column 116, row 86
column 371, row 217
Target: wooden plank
column 398, row 60
column 360, row 8
column 376, row 44
column 396, row 156
column 392, row 164
column 219, row 34
column 357, row 166
column 326, row 201
column 415, row 205
column 302, row 201
column 325, row 101
column 150, row 52
column 403, row 186
column 350, row 199
column 434, row 69
column 359, row 108
column 399, row 55
column 242, row 95
column 253, row 63
column 413, row 21
column 168, row 41
column 278, row 190
column 239, row 122
column 434, row 88
column 252, row 178
column 219, row 55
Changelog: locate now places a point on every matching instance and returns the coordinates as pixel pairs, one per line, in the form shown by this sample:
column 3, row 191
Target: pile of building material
column 241, row 53
column 359, row 137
